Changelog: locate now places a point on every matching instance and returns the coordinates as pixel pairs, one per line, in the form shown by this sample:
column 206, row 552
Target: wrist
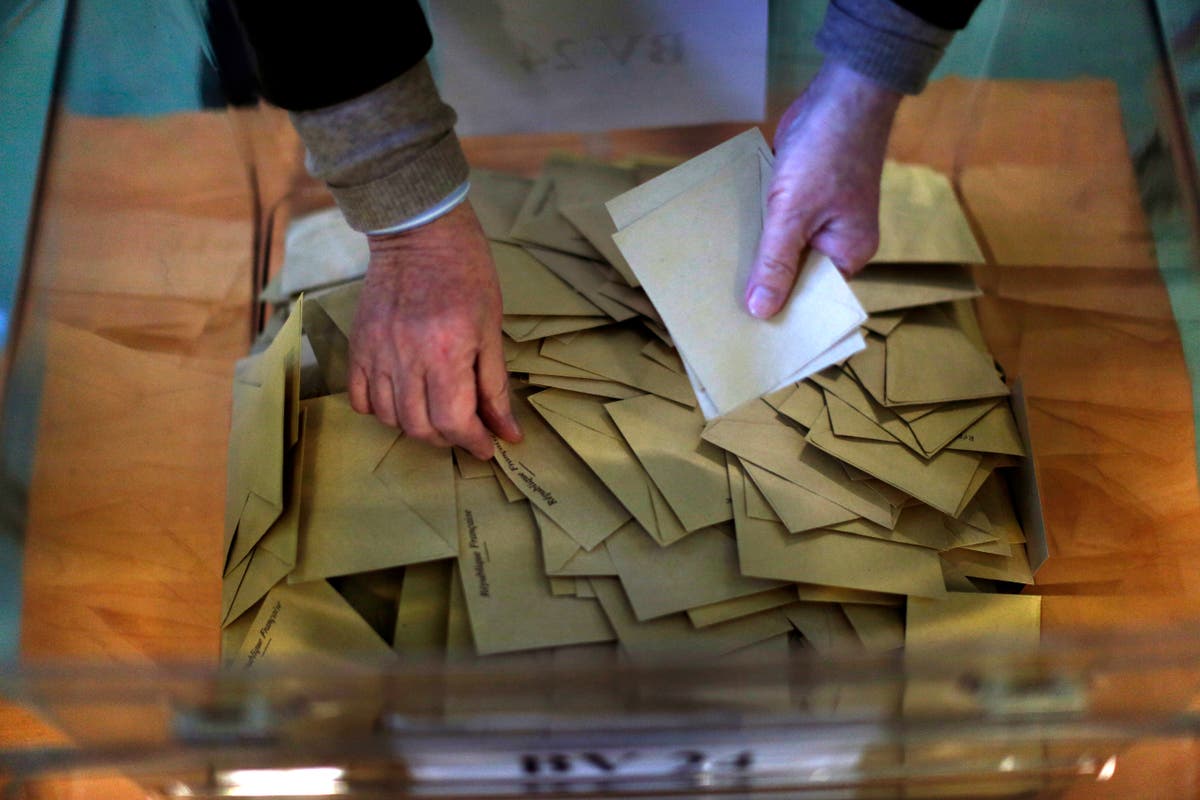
column 841, row 84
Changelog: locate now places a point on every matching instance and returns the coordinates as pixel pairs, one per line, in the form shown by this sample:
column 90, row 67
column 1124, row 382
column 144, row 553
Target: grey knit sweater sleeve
column 387, row 155
column 882, row 41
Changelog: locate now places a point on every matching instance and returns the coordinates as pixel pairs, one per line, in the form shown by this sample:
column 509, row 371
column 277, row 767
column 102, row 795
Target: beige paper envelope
column 689, row 471
column 423, row 609
column 883, row 322
column 930, row 360
column 824, row 626
column 994, row 432
column 340, row 303
column 274, row 556
column 529, row 288
column 673, row 638
column 567, row 181
column 469, row 466
column 920, row 219
column 562, row 587
column 596, row 388
column 557, row 481
column 310, row 624
column 804, row 405
column 890, row 287
column 922, row 526
column 840, row 384
column 583, row 588
column 265, row 426
column 658, row 351
column 584, row 424
column 594, row 224
column 767, row 550
column 849, row 423
column 526, row 357
column 508, row 598
column 879, row 628
column 796, row 507
column 634, row 204
column 712, row 230
column 961, row 622
column 996, row 504
column 370, row 499
column 941, row 481
column 497, row 199
column 563, row 557
column 832, row 594
column 737, row 607
column 778, row 447
column 460, row 644
column 937, row 429
column 511, row 493
column 522, row 328
column 586, row 276
column 697, row 571
column 1014, row 568
column 616, row 354
column 632, row 298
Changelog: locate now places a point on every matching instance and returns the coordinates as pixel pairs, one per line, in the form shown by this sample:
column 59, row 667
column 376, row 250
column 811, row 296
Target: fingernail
column 762, row 302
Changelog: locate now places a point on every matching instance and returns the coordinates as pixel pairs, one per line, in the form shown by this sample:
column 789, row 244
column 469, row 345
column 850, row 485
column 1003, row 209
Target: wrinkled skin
column 426, row 353
column 829, row 150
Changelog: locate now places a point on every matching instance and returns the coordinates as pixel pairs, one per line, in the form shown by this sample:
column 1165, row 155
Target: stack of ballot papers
column 693, row 483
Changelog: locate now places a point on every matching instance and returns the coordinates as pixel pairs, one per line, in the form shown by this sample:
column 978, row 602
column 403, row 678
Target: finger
column 849, row 243
column 452, row 409
column 382, row 402
column 412, row 409
column 495, row 406
column 359, row 389
column 786, row 231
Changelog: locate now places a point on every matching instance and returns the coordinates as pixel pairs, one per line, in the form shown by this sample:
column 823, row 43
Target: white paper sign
column 523, row 66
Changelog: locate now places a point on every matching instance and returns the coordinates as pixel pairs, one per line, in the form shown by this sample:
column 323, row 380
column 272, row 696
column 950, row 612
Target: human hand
column 426, row 352
column 829, row 150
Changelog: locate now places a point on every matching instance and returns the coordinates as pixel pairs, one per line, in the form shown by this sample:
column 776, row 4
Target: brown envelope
column 920, row 219
column 942, row 481
column 796, row 507
column 701, row 569
column 767, row 550
column 370, row 498
column 529, row 288
column 673, row 638
column 586, row 276
column 310, row 623
column 509, row 601
column 879, row 628
column 567, row 181
column 890, row 287
column 776, row 446
column 586, row 427
column 616, row 354
column 563, row 557
column 824, row 626
column 930, row 360
column 423, row 609
column 497, row 199
column 557, row 481
column 689, row 472
column 737, row 607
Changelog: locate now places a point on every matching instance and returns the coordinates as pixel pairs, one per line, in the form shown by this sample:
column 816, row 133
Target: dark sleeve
column 311, row 55
column 953, row 15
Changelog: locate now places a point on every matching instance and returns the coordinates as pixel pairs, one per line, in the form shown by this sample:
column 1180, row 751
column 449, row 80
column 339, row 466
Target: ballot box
column 981, row 580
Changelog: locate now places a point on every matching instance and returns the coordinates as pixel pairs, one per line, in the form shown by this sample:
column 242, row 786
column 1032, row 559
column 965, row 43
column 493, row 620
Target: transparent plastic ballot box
column 162, row 203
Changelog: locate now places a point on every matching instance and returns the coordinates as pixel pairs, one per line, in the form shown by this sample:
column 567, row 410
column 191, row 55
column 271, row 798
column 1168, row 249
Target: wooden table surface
column 138, row 304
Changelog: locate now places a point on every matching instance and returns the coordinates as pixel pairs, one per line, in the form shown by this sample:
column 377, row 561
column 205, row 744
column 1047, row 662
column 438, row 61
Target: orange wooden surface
column 139, row 304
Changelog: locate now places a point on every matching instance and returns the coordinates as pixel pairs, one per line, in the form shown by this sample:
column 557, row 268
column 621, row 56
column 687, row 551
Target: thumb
column 849, row 243
column 776, row 264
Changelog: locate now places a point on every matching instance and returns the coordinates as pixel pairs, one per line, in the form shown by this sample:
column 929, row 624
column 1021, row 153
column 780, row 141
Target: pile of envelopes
column 692, row 482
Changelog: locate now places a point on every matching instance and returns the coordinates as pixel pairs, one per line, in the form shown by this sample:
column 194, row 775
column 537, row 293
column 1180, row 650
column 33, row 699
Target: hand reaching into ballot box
column 824, row 194
column 426, row 352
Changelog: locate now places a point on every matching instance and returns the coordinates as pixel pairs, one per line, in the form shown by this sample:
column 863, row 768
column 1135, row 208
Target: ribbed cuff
column 883, row 42
column 388, row 155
